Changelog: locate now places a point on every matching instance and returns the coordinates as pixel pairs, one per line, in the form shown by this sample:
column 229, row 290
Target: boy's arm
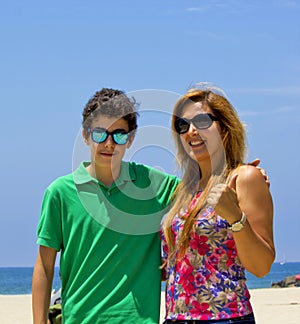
column 42, row 284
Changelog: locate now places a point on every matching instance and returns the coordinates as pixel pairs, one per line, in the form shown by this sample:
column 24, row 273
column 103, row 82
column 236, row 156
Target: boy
column 109, row 274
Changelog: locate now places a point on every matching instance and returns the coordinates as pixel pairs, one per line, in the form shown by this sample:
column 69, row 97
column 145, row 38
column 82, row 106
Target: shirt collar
column 81, row 175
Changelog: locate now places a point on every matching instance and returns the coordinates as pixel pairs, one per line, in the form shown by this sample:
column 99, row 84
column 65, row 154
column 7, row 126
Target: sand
column 15, row 309
column 271, row 306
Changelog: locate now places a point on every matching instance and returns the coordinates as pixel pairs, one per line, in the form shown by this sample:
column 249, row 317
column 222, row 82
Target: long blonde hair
column 233, row 139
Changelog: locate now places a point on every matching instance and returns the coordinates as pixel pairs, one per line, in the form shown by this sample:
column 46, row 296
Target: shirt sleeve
column 49, row 230
column 165, row 187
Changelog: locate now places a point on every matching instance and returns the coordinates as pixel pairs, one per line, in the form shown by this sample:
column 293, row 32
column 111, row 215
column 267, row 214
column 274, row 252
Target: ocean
column 17, row 281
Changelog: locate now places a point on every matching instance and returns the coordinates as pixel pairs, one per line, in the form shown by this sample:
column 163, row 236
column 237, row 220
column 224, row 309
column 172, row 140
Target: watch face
column 237, row 227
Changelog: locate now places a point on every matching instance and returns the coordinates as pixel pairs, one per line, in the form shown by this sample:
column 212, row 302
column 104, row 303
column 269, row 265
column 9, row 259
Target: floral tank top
column 209, row 281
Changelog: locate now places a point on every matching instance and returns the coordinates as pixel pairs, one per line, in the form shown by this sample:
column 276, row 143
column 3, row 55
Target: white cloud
column 294, row 90
column 284, row 109
column 196, row 8
column 251, row 113
column 207, row 5
column 207, row 34
column 232, row 6
column 235, row 6
column 278, row 110
column 294, row 4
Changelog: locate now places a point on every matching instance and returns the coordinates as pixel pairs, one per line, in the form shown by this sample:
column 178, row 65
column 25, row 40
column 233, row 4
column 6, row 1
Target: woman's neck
column 206, row 171
column 205, row 174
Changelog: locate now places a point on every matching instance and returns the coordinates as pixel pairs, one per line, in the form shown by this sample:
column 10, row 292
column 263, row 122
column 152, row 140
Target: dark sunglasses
column 201, row 121
column 100, row 135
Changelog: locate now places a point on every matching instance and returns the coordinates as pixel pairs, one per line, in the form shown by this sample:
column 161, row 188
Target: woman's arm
column 248, row 192
column 42, row 284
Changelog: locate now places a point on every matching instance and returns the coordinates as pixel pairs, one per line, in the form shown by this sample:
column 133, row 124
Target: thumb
column 232, row 182
column 255, row 162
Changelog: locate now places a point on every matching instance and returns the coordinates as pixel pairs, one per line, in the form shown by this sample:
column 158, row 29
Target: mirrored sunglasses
column 201, row 121
column 100, row 135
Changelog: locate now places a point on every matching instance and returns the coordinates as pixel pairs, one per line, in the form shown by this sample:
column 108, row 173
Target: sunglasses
column 100, row 135
column 201, row 121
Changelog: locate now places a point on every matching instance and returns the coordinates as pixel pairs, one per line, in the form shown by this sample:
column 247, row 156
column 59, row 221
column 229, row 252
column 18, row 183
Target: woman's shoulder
column 248, row 174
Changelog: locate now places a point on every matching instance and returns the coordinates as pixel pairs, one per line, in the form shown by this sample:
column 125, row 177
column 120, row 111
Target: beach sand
column 271, row 306
column 15, row 309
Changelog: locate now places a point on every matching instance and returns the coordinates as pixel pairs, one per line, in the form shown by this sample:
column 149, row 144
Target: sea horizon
column 17, row 280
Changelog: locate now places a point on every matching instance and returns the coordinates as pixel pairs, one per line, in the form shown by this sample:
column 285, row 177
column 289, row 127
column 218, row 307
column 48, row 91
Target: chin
column 200, row 156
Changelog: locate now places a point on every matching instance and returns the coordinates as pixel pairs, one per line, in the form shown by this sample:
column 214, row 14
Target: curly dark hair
column 110, row 103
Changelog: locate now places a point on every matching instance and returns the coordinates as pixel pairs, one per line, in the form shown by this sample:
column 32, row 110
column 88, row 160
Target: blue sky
column 55, row 55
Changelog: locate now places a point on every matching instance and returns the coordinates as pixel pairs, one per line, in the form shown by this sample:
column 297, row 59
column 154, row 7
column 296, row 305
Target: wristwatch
column 239, row 225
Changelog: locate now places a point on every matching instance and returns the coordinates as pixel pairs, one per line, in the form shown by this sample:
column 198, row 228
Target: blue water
column 277, row 273
column 17, row 281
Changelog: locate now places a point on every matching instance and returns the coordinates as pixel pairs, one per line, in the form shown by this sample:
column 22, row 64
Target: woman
column 221, row 222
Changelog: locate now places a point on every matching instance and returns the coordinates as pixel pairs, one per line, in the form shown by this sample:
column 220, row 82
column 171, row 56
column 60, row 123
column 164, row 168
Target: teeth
column 196, row 142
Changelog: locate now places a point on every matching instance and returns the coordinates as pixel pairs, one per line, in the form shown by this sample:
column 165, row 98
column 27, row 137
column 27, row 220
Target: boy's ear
column 84, row 138
column 131, row 139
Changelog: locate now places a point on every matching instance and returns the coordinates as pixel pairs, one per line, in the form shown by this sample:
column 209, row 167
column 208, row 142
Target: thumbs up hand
column 223, row 198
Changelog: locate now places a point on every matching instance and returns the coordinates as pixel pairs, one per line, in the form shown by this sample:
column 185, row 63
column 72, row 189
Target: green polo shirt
column 109, row 243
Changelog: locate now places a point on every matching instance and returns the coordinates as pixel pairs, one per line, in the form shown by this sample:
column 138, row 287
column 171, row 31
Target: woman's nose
column 192, row 129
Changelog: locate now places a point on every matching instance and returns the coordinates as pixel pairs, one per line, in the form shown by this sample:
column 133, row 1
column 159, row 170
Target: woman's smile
column 197, row 143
